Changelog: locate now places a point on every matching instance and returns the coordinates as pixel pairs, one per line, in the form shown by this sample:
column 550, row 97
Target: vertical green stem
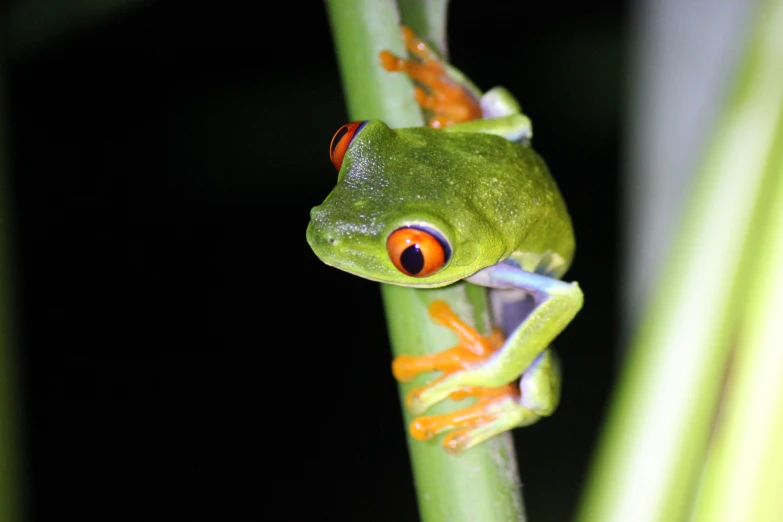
column 482, row 483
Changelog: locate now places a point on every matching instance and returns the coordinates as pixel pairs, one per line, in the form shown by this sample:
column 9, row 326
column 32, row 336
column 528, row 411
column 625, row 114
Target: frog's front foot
column 446, row 101
column 498, row 408
column 472, row 350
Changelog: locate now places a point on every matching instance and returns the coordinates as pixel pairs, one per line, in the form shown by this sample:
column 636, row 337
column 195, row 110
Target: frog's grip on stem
column 470, row 425
column 472, row 349
column 496, row 409
column 446, row 101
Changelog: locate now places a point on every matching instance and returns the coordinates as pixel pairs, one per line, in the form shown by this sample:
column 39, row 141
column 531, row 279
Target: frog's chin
column 398, row 281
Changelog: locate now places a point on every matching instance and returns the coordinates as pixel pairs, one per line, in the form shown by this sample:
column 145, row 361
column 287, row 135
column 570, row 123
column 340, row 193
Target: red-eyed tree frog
column 464, row 199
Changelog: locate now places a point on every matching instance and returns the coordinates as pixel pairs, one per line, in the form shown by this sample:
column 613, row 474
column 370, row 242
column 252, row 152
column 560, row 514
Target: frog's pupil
column 339, row 137
column 412, row 259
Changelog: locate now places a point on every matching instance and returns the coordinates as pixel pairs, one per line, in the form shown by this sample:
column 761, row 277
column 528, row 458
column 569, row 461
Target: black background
column 163, row 165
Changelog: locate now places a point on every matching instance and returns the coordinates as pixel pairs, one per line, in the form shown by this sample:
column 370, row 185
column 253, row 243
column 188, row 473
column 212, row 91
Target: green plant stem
column 652, row 452
column 482, row 483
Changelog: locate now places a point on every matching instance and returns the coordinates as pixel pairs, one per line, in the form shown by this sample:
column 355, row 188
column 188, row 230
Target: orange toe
column 427, row 427
column 446, row 100
column 473, row 349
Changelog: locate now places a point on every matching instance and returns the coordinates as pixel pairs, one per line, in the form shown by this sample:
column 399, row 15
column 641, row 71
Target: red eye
column 417, row 252
column 342, row 138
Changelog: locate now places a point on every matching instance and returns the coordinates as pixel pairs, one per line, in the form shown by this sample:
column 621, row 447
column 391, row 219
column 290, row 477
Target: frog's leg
column 523, row 354
column 555, row 305
column 496, row 409
column 514, row 127
column 448, row 99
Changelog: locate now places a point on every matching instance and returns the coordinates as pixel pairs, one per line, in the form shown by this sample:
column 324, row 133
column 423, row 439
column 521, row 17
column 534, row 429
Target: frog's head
column 400, row 212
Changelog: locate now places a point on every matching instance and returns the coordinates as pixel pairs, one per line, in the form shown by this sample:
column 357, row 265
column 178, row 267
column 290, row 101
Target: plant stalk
column 482, row 483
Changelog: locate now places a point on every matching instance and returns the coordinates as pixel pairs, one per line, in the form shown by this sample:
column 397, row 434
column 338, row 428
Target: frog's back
column 509, row 185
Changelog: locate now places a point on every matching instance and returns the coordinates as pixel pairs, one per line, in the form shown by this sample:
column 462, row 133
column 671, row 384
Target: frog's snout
column 319, row 233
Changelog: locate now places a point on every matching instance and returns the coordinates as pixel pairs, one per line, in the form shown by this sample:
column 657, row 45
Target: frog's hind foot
column 496, row 410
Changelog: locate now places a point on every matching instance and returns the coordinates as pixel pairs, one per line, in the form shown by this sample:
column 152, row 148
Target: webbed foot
column 496, row 409
column 437, row 92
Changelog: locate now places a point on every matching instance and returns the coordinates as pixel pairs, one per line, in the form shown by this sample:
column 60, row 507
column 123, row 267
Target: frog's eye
column 342, row 138
column 417, row 251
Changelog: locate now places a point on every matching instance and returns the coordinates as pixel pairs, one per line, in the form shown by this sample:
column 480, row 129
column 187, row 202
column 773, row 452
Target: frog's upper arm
column 501, row 115
column 514, row 127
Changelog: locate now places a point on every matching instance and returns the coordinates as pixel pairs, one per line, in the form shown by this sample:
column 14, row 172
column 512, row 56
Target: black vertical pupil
column 412, row 260
column 338, row 138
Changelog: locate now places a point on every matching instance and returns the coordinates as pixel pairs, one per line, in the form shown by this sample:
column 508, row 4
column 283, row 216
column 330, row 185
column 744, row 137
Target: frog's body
column 466, row 200
column 510, row 202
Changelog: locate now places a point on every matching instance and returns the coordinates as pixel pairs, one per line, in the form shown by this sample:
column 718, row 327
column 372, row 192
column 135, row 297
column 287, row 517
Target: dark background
column 163, row 164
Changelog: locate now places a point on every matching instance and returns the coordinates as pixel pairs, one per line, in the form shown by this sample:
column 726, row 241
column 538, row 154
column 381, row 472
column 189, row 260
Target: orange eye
column 342, row 138
column 417, row 251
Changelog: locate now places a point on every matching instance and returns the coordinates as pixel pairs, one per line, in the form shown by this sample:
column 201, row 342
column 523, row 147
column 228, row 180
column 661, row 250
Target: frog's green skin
column 491, row 196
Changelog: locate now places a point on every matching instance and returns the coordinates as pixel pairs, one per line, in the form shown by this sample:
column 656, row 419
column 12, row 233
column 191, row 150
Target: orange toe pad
column 446, row 100
column 427, row 427
column 472, row 349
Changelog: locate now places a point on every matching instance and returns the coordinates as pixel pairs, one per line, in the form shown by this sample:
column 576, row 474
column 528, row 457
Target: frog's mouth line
column 413, row 282
column 363, row 260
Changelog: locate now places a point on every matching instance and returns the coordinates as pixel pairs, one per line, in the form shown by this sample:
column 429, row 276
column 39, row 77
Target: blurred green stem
column 482, row 483
column 651, row 456
column 743, row 475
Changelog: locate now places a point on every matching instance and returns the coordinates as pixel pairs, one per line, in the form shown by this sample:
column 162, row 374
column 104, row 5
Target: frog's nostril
column 319, row 231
